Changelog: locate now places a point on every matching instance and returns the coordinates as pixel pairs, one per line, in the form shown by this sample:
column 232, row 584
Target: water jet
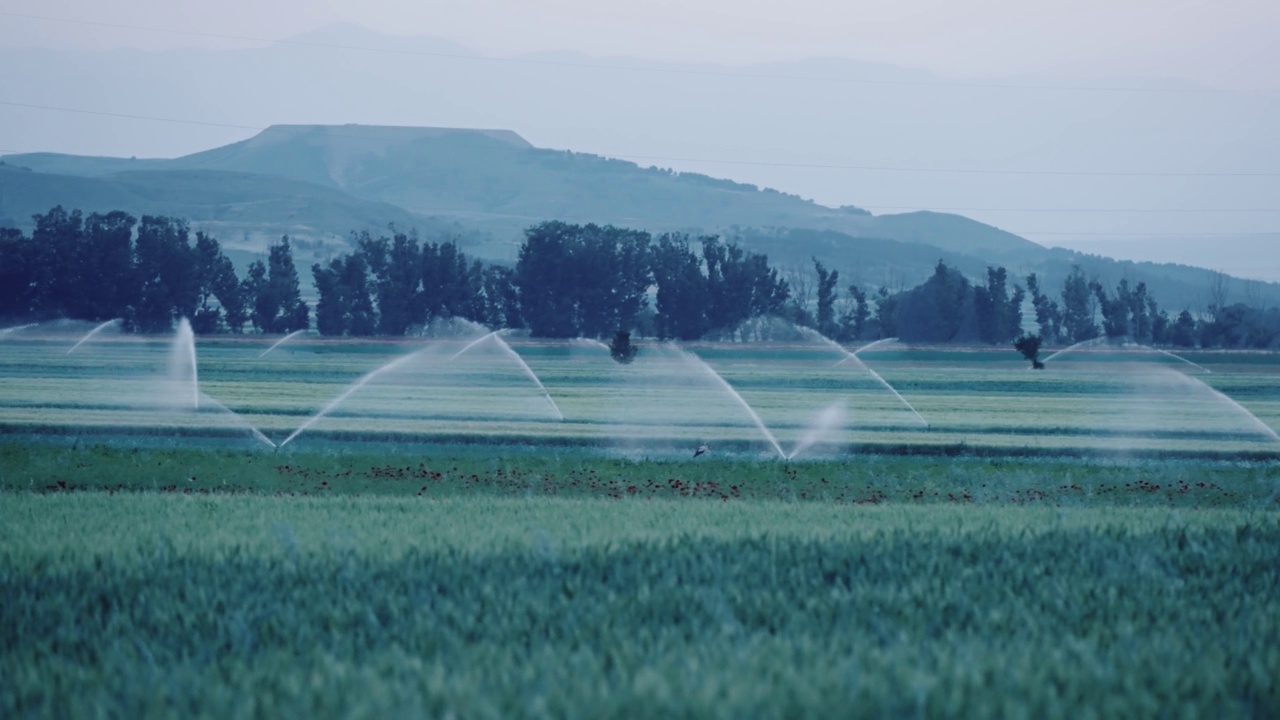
column 282, row 341
column 755, row 417
column 16, row 328
column 349, row 392
column 1176, row 356
column 91, row 333
column 238, row 419
column 1234, row 405
column 1083, row 343
column 496, row 336
column 814, row 334
column 823, row 428
column 183, row 375
column 868, row 346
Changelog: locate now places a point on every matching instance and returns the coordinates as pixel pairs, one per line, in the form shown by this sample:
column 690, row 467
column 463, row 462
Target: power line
column 131, row 116
column 631, row 68
column 926, row 208
column 1204, row 235
column 963, row 171
column 715, row 161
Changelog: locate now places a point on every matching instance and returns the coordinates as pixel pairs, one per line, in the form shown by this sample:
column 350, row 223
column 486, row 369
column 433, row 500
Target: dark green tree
column 1029, row 346
column 739, row 285
column 210, row 264
column 1160, row 322
column 582, row 280
column 17, row 275
column 502, row 300
column 229, row 291
column 449, row 282
column 616, row 266
column 827, row 281
column 621, row 349
column 769, row 292
column 345, row 306
column 1183, row 332
column 108, row 271
column 1013, row 317
column 681, row 298
column 853, row 322
column 396, row 265
column 332, row 313
column 544, row 275
column 277, row 300
column 58, row 268
column 987, row 305
column 165, row 268
column 998, row 315
column 1077, row 308
column 1115, row 310
column 1048, row 314
column 729, row 289
column 886, row 313
column 939, row 310
column 253, row 288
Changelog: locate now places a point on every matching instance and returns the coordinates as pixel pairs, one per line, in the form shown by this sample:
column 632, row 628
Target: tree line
column 147, row 273
column 569, row 280
column 1086, row 310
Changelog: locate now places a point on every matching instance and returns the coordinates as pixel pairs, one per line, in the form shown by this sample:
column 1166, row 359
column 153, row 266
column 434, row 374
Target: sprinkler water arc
column 755, row 417
column 854, row 357
column 1083, row 343
column 1094, row 342
column 496, row 336
column 328, row 408
column 16, row 328
column 91, row 333
column 282, row 341
column 1257, row 421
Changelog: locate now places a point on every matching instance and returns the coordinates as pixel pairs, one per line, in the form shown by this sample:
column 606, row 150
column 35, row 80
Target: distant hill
column 485, row 186
column 899, row 265
column 244, row 210
column 493, row 179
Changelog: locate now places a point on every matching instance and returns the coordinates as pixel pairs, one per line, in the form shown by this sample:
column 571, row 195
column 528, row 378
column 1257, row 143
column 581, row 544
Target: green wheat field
column 1099, row 539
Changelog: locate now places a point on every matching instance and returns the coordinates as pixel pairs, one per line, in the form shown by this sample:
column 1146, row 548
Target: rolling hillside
column 319, row 183
column 244, row 210
column 494, row 180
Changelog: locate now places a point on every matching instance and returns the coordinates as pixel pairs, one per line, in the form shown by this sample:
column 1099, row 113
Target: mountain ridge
column 491, row 184
column 433, row 171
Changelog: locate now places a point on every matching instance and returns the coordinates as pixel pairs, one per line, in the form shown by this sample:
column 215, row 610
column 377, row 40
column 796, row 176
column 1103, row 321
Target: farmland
column 1097, row 539
column 116, row 389
column 487, row 607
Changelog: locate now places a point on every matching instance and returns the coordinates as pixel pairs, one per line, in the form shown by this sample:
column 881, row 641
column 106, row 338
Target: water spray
column 809, row 332
column 755, row 417
column 91, row 333
column 281, row 341
column 496, row 335
column 16, row 328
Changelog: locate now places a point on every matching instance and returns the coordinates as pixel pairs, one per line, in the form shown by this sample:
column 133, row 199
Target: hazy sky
column 1227, row 44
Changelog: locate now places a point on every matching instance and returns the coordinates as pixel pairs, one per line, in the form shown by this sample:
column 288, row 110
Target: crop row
column 541, row 471
column 913, row 614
